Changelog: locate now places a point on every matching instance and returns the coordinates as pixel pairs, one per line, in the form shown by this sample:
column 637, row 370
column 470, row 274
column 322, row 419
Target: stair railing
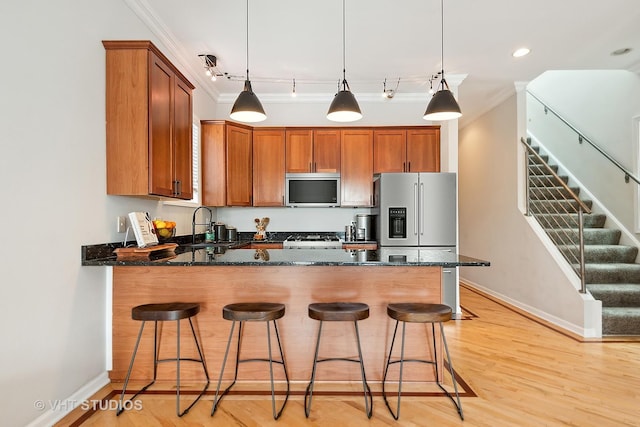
column 557, row 216
column 582, row 138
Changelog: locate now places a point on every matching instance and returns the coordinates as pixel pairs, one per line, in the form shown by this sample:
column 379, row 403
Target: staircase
column 611, row 274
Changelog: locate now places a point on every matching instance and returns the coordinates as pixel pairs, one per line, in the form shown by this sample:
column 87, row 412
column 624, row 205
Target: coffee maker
column 365, row 227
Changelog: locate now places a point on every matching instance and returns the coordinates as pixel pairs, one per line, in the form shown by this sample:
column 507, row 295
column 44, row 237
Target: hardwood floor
column 521, row 373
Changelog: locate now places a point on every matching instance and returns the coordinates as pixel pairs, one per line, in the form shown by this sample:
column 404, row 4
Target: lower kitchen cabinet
column 356, row 172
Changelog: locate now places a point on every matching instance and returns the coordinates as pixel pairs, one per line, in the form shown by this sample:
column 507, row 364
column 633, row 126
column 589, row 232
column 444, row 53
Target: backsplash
column 290, row 219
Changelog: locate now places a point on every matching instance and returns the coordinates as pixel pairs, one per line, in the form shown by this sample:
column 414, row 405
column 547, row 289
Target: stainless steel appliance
column 417, row 212
column 417, row 209
column 312, row 189
column 365, row 227
column 312, row 241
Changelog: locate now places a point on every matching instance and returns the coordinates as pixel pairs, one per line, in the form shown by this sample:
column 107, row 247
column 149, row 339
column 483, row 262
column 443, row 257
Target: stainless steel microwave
column 312, row 189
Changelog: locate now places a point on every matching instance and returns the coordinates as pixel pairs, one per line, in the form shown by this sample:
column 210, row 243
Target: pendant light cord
column 247, row 39
column 344, row 66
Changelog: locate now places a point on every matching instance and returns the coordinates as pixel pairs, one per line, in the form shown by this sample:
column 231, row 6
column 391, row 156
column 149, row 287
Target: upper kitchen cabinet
column 149, row 123
column 407, row 150
column 239, row 156
column 313, row 150
column 356, row 172
column 214, row 163
column 268, row 166
column 423, row 149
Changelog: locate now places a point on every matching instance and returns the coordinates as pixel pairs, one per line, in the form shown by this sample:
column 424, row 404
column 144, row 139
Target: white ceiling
column 394, row 39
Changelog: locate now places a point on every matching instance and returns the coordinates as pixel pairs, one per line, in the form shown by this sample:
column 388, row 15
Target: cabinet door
column 299, row 151
column 326, row 151
column 423, row 150
column 239, row 166
column 160, row 132
column 389, row 150
column 356, row 180
column 183, row 141
column 268, row 167
column 214, row 177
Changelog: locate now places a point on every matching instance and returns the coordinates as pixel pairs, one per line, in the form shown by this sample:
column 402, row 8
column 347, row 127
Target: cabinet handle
column 404, row 166
column 409, row 168
column 315, row 167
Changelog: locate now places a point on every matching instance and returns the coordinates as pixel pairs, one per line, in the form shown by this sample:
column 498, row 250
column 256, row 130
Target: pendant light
column 344, row 107
column 247, row 107
column 443, row 105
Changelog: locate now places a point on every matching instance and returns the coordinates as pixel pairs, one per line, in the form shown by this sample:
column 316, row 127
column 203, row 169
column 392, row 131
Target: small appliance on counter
column 220, row 231
column 365, row 227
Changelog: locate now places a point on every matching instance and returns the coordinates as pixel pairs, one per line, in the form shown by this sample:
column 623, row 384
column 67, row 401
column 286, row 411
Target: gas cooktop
column 312, row 241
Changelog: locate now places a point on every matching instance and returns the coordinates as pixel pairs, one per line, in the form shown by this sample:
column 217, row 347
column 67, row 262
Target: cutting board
column 144, row 252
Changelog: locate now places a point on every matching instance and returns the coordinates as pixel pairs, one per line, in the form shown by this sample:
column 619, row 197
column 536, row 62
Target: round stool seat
column 338, row 311
column 166, row 311
column 419, row 313
column 253, row 311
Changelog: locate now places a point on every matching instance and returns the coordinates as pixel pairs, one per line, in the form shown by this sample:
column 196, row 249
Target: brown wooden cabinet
column 239, row 157
column 268, row 166
column 313, row 150
column 356, row 173
column 148, row 122
column 407, row 150
column 214, row 163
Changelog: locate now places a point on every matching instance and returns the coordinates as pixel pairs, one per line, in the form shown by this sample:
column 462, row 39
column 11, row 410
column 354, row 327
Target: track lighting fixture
column 209, row 62
column 443, row 105
column 389, row 93
column 344, row 107
column 247, row 107
column 293, row 90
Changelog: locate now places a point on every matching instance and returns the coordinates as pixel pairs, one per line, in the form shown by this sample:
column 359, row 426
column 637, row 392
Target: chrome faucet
column 193, row 222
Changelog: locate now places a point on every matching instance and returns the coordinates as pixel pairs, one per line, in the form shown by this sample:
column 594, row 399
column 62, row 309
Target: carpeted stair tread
column 620, row 320
column 551, row 193
column 612, row 273
column 545, row 206
column 546, row 180
column 553, row 220
column 601, row 254
column 592, row 236
column 616, row 294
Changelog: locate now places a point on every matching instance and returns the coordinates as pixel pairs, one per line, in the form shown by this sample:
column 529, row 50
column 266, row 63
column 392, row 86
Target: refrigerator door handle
column 420, row 210
column 415, row 216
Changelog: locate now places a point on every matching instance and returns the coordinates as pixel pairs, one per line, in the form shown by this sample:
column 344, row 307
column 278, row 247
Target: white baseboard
column 560, row 323
column 55, row 414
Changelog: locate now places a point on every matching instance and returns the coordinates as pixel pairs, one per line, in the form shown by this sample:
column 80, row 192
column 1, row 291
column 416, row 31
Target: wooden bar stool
column 253, row 312
column 161, row 313
column 339, row 312
column 420, row 313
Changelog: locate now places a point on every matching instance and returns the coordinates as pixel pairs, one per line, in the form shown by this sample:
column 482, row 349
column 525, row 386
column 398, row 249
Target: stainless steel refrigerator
column 418, row 212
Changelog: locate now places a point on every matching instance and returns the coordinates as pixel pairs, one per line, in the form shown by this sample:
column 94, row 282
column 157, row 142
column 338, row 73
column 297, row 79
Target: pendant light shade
column 344, row 107
column 443, row 105
column 247, row 107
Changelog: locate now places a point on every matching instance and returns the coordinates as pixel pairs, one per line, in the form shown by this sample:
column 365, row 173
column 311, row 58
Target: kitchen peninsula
column 294, row 277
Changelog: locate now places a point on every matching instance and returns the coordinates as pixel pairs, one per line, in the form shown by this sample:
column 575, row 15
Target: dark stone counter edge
column 160, row 263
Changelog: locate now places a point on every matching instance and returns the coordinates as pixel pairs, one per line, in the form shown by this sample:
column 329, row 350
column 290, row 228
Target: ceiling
column 302, row 40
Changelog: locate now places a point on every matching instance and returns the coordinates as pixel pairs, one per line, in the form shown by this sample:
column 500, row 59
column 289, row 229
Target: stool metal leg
column 309, row 391
column 368, row 404
column 133, row 358
column 368, row 396
column 217, row 400
column 218, row 397
column 456, row 402
column 395, row 415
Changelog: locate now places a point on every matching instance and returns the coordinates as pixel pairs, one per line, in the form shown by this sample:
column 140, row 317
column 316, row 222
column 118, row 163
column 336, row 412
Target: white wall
column 52, row 112
column 601, row 105
column 523, row 270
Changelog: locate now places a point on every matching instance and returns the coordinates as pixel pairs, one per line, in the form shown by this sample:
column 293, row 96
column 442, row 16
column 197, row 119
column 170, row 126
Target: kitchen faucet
column 193, row 222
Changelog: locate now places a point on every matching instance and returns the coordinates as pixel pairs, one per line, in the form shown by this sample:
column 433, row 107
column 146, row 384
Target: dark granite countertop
column 238, row 253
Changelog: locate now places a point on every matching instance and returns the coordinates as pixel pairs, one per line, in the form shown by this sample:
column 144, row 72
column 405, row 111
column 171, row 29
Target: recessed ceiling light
column 521, row 52
column 622, row 51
